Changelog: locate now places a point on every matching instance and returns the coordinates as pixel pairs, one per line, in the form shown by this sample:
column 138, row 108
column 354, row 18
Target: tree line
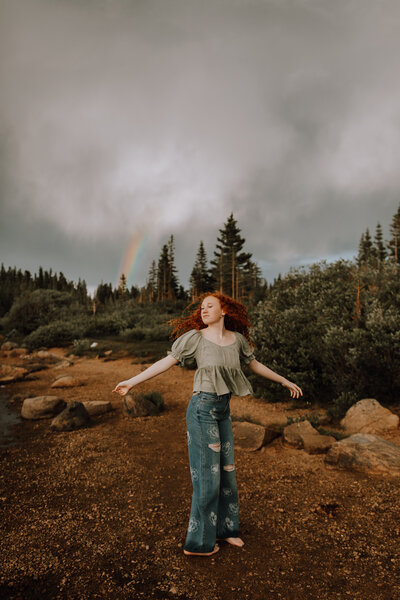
column 14, row 283
column 231, row 271
column 376, row 251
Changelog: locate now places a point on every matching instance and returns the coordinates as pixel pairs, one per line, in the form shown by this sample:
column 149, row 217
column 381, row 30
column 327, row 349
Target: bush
column 110, row 324
column 154, row 397
column 341, row 405
column 311, row 330
column 34, row 309
column 133, row 335
column 81, row 347
column 152, row 334
column 58, row 333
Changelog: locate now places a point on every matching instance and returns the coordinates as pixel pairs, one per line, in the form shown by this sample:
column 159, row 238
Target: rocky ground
column 102, row 512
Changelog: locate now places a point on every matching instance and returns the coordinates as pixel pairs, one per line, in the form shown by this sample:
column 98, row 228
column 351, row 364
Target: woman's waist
column 212, row 397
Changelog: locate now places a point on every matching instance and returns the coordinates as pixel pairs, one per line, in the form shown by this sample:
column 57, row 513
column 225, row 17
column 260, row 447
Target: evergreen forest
column 333, row 328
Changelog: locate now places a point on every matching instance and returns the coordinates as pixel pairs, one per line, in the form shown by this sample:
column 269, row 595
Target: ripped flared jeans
column 215, row 509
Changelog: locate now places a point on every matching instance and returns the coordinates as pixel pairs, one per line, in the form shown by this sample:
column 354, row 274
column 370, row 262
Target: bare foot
column 234, row 541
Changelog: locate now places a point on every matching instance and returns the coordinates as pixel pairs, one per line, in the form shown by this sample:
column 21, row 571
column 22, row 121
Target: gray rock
column 74, row 416
column 251, row 437
column 365, row 453
column 368, row 416
column 42, row 407
column 139, row 407
column 97, row 407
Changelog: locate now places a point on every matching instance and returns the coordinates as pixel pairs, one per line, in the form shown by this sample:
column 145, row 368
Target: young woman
column 216, row 336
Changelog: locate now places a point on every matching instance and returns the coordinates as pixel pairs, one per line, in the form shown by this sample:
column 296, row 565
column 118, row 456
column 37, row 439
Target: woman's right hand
column 122, row 388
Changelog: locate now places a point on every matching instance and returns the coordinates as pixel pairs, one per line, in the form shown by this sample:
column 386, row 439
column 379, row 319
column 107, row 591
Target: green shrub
column 309, row 330
column 341, row 405
column 106, row 324
column 152, row 334
column 57, row 333
column 155, row 397
column 82, row 347
column 133, row 335
column 34, row 309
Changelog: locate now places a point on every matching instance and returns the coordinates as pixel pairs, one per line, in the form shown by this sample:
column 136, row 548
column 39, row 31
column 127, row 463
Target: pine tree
column 162, row 274
column 379, row 245
column 394, row 243
column 200, row 280
column 361, row 259
column 251, row 282
column 229, row 259
column 40, row 278
column 121, row 292
column 151, row 284
column 172, row 278
column 81, row 291
column 366, row 249
column 104, row 293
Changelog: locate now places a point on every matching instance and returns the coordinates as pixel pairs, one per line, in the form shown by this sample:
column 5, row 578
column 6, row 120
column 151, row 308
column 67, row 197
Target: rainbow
column 132, row 256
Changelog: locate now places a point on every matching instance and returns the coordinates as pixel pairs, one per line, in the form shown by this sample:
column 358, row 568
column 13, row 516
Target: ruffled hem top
column 218, row 367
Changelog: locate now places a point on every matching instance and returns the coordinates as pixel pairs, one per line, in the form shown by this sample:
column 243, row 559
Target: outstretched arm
column 156, row 368
column 264, row 371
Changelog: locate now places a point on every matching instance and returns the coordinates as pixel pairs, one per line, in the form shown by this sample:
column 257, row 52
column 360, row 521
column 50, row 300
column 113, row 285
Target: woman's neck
column 217, row 331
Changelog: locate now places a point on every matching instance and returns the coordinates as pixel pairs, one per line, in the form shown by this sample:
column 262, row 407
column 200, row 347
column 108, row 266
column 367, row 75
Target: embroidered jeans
column 215, row 509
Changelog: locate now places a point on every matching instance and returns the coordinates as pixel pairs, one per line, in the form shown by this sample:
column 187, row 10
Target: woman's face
column 211, row 311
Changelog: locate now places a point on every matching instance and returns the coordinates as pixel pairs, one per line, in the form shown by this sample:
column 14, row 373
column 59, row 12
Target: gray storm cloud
column 164, row 117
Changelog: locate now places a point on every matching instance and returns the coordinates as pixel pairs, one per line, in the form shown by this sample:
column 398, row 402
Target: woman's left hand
column 294, row 389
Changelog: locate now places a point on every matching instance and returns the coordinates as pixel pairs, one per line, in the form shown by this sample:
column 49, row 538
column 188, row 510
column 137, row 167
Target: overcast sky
column 122, row 118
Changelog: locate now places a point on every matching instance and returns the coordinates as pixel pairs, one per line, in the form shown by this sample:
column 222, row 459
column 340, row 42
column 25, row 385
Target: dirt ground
column 102, row 512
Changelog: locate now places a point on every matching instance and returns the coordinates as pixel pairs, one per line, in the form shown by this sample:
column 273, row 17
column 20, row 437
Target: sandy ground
column 102, row 512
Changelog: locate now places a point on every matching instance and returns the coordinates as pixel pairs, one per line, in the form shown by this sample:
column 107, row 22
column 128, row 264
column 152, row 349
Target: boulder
column 8, row 373
column 64, row 381
column 368, row 416
column 317, row 444
column 304, row 435
column 294, row 434
column 139, row 407
column 42, row 407
column 74, row 416
column 365, row 453
column 251, row 437
column 97, row 407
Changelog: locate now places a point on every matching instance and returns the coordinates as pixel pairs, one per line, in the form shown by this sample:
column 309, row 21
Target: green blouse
column 218, row 367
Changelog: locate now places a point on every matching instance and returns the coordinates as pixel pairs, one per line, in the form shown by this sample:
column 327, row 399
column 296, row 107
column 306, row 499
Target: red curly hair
column 236, row 318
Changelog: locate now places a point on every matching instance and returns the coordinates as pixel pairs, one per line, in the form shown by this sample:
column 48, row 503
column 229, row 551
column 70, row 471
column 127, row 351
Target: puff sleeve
column 185, row 346
column 245, row 351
